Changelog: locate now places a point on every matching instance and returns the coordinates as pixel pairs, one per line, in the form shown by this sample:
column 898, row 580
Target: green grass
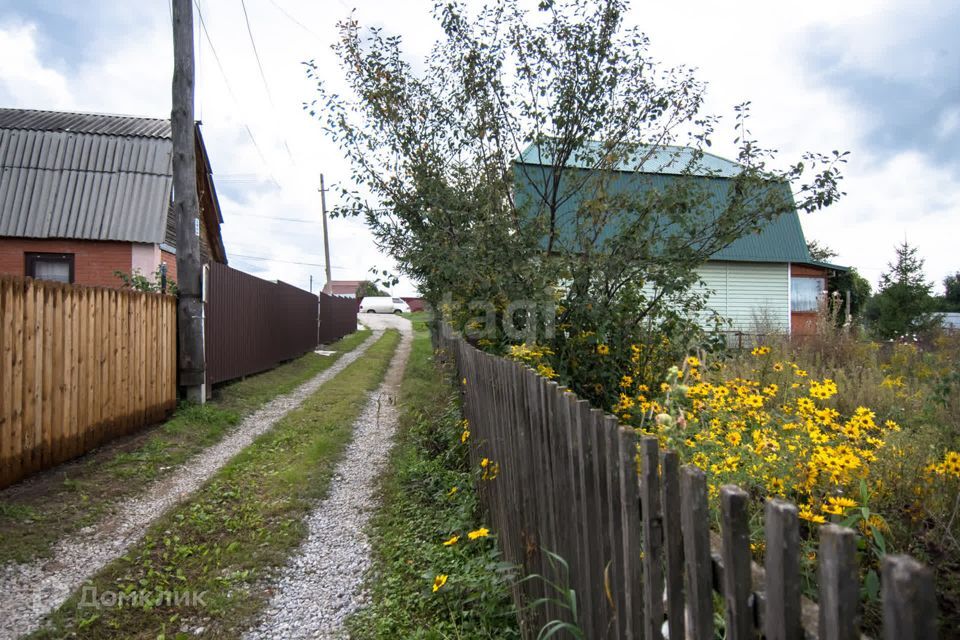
column 37, row 514
column 418, row 514
column 227, row 539
column 418, row 319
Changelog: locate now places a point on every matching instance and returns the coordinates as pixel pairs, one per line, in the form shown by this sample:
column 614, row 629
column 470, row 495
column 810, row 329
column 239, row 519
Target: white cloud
column 24, row 81
column 760, row 51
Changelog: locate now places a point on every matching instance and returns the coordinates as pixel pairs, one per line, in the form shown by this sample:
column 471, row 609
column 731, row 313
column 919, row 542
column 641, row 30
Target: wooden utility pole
column 191, row 362
column 326, row 236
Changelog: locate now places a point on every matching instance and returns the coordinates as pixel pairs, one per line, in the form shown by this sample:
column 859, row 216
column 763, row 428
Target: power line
column 306, row 264
column 256, row 54
column 226, row 82
column 256, row 215
column 295, row 21
column 263, row 76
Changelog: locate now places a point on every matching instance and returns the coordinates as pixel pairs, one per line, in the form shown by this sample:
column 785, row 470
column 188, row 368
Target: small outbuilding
column 84, row 195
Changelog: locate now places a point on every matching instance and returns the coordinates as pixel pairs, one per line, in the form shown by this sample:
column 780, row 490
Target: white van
column 383, row 304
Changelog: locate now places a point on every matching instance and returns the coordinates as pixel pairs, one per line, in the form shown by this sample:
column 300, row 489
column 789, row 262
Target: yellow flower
column 439, row 581
column 451, row 541
column 806, row 513
column 626, row 382
column 843, row 503
column 778, row 366
column 482, row 532
column 693, row 361
column 452, row 491
column 485, row 462
column 734, row 438
column 760, row 351
column 465, row 435
column 800, row 372
column 603, row 349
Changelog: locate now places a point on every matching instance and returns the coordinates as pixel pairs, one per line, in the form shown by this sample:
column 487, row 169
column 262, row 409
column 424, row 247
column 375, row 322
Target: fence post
column 630, row 513
column 736, row 562
column 839, row 591
column 695, row 524
column 909, row 600
column 670, row 502
column 652, row 538
column 782, row 619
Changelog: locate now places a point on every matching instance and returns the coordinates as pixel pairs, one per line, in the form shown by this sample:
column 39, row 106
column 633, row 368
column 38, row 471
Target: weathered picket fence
column 634, row 528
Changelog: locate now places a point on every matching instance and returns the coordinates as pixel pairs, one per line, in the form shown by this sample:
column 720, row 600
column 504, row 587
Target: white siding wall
column 747, row 293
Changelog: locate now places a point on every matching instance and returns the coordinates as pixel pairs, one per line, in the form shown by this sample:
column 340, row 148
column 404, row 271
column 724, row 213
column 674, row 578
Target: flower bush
column 782, row 428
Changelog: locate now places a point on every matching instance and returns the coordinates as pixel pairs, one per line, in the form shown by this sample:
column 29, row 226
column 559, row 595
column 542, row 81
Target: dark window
column 50, row 266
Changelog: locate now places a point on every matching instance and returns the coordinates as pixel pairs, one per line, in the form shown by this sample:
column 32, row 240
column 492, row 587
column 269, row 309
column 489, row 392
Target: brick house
column 83, row 196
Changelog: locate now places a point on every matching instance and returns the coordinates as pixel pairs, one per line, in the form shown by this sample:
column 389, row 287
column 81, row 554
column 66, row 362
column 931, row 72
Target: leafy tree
column 903, row 304
column 859, row 288
column 820, row 252
column 433, row 145
column 951, row 297
column 370, row 288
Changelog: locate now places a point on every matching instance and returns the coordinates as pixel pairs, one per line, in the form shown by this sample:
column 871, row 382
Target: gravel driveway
column 321, row 585
column 32, row 590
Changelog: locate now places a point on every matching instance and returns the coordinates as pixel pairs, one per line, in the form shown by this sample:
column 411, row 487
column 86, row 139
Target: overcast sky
column 876, row 77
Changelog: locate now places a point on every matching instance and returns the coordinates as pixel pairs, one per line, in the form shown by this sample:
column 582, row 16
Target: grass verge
column 428, row 497
column 225, row 541
column 49, row 506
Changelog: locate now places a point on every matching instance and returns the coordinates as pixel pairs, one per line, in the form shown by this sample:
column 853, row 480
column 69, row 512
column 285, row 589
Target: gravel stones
column 322, row 584
column 32, row 590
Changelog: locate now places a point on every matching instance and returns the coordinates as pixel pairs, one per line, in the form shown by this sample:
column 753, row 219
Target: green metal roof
column 646, row 169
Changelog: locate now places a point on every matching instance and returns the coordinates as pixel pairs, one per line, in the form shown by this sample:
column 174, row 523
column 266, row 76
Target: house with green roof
column 764, row 281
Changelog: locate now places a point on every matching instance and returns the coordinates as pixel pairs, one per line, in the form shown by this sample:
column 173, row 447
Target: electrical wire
column 256, row 54
column 257, row 215
column 233, row 95
column 295, row 21
column 263, row 76
column 306, row 264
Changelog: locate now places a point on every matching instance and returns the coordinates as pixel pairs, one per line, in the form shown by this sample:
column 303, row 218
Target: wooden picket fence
column 80, row 366
column 634, row 528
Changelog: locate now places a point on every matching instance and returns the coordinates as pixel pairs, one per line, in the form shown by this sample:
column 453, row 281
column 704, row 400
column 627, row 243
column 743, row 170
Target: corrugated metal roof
column 93, row 123
column 83, row 176
column 780, row 240
column 637, row 158
column 94, row 187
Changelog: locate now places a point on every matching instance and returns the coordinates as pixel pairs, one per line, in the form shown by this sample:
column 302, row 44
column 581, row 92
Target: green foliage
column 370, row 288
column 433, row 152
column 950, row 301
column 859, row 288
column 152, row 284
column 903, row 304
column 820, row 252
column 419, row 512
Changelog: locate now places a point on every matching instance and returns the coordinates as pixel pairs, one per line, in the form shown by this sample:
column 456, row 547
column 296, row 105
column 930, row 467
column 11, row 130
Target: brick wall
column 94, row 261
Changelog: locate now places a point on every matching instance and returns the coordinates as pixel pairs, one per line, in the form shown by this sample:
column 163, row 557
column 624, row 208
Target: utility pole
column 191, row 365
column 326, row 236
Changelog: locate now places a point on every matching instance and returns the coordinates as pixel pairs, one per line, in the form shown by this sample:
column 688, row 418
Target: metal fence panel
column 253, row 325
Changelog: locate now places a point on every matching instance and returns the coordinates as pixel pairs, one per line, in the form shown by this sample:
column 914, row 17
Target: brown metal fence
column 252, row 325
column 80, row 366
column 635, row 530
column 338, row 318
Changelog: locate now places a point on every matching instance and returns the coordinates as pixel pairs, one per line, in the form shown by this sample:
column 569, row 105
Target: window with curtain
column 50, row 266
column 805, row 292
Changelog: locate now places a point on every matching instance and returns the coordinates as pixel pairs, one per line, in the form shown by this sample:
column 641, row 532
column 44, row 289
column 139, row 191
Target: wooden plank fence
column 80, row 366
column 634, row 528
